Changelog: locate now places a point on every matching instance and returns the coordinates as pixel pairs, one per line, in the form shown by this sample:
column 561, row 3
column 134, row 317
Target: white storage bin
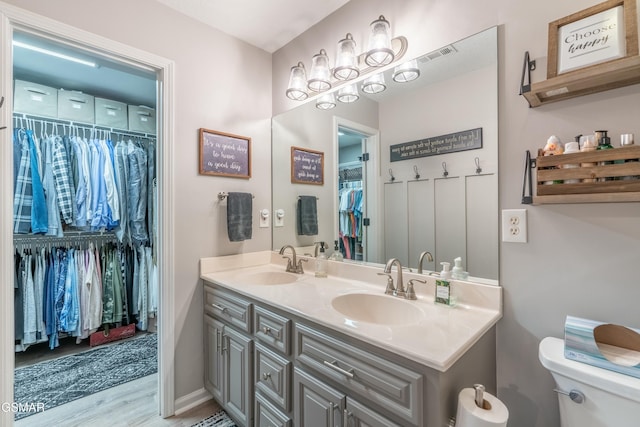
column 76, row 106
column 142, row 119
column 32, row 98
column 112, row 114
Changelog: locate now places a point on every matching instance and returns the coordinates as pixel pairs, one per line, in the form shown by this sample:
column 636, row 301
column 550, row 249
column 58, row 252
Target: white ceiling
column 267, row 24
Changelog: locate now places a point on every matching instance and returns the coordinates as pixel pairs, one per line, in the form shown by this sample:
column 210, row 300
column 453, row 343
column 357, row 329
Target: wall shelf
column 596, row 78
column 605, row 176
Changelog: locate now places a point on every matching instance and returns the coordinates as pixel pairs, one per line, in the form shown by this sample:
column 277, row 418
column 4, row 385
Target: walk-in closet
column 85, row 220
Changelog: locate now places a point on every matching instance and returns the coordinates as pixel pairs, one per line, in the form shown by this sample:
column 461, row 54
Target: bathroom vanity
column 285, row 349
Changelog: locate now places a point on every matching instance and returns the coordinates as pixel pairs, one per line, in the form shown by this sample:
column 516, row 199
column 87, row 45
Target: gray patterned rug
column 68, row 378
column 219, row 419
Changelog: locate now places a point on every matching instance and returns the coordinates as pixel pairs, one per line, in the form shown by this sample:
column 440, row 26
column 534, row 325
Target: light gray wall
column 581, row 259
column 215, row 76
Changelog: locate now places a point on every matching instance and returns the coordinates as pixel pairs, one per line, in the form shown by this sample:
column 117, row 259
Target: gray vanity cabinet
column 229, row 353
column 316, row 403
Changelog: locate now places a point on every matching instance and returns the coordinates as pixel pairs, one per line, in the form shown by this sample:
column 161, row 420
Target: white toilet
column 608, row 399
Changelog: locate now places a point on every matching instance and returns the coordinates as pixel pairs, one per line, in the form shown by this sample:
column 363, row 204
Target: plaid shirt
column 23, row 196
column 64, row 187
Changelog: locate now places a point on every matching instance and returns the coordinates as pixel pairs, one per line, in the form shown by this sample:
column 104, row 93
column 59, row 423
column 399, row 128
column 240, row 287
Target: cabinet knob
column 266, row 330
column 266, row 376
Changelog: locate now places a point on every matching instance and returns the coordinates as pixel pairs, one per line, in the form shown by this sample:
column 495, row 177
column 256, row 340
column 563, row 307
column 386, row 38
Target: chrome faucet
column 293, row 265
column 399, row 290
column 422, row 255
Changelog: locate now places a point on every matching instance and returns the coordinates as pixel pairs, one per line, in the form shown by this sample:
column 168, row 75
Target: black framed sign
column 224, row 154
column 307, row 166
column 450, row 143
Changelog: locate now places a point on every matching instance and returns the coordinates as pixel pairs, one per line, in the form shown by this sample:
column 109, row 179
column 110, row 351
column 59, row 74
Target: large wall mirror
column 411, row 205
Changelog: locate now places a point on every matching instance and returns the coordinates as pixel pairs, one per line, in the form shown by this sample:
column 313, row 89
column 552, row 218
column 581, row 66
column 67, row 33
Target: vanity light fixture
column 320, row 74
column 406, row 72
column 374, row 84
column 297, row 89
column 348, row 93
column 346, row 59
column 379, row 51
column 382, row 51
column 326, row 101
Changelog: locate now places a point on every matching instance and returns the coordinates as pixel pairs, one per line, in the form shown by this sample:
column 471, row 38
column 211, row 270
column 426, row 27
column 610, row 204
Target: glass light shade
column 320, row 75
column 379, row 51
column 406, row 72
column 348, row 94
column 326, row 101
column 346, row 60
column 374, row 84
column 297, row 89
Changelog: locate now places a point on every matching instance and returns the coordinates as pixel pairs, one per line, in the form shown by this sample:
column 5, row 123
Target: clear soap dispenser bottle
column 321, row 262
column 336, row 255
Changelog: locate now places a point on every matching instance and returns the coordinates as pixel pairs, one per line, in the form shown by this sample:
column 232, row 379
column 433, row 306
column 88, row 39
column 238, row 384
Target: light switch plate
column 514, row 225
column 264, row 218
column 278, row 218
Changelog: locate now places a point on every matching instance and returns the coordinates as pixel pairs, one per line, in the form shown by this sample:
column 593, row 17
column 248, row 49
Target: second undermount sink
column 374, row 308
column 270, row 278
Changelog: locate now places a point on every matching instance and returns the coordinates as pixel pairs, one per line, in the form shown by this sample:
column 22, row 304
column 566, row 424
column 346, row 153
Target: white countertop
column 438, row 339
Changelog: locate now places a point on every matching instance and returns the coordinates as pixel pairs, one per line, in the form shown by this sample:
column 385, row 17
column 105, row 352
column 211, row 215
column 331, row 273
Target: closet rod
column 56, row 122
column 68, row 236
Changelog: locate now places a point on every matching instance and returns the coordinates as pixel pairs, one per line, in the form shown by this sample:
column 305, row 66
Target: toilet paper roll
column 493, row 414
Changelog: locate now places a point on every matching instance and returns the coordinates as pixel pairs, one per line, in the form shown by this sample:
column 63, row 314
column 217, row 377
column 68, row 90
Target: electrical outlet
column 514, row 225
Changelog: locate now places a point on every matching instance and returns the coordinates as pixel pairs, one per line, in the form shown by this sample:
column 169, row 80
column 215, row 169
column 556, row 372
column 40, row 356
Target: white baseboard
column 191, row 400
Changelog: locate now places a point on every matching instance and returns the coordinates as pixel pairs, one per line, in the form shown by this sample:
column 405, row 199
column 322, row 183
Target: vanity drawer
column 228, row 307
column 272, row 329
column 268, row 415
column 393, row 387
column 273, row 376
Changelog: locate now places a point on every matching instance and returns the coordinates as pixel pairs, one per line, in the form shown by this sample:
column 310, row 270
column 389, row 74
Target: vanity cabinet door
column 214, row 362
column 358, row 415
column 237, row 352
column 316, row 404
column 267, row 415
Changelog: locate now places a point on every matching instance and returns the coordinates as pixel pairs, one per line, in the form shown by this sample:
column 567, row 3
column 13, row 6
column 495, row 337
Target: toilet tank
column 610, row 399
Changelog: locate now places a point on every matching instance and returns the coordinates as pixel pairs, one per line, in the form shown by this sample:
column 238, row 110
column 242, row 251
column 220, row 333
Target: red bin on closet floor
column 115, row 334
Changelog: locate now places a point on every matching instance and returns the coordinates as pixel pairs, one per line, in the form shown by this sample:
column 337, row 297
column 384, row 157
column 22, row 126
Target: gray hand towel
column 307, row 216
column 239, row 220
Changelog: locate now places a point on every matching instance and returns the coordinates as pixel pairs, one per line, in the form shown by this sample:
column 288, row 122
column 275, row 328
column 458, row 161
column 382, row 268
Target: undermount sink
column 374, row 308
column 270, row 278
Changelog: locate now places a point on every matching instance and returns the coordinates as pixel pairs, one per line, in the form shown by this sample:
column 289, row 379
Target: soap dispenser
column 336, row 255
column 458, row 272
column 443, row 286
column 321, row 262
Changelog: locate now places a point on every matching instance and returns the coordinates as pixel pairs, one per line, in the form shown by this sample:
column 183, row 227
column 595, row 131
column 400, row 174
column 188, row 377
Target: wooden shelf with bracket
column 606, row 176
column 596, row 78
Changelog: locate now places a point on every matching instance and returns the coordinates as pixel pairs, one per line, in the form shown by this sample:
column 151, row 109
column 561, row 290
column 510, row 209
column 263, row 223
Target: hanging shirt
column 64, row 187
column 39, row 220
column 51, row 195
column 23, row 196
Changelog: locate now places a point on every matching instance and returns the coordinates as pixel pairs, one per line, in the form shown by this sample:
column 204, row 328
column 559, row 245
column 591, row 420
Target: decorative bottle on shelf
column 626, row 140
column 588, row 143
column 336, row 255
column 572, row 147
column 321, row 262
column 604, row 143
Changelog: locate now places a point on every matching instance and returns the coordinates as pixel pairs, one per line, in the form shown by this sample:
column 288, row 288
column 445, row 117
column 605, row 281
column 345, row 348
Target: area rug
column 58, row 381
column 219, row 419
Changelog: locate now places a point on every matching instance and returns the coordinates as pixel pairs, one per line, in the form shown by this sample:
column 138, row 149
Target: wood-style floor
column 131, row 404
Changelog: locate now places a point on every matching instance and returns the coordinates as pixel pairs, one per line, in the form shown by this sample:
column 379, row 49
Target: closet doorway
column 22, row 29
column 357, row 216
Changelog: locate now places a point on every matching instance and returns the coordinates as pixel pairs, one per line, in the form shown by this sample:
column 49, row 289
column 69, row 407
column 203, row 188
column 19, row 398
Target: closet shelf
column 596, row 78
